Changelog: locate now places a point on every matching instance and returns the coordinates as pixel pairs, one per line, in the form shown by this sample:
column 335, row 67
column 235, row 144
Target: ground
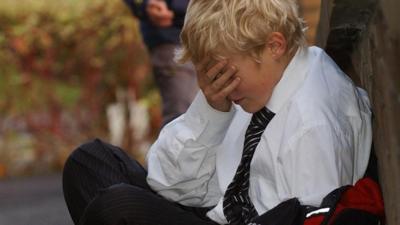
column 33, row 201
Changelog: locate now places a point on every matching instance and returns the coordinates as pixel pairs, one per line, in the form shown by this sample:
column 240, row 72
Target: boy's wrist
column 200, row 107
column 209, row 123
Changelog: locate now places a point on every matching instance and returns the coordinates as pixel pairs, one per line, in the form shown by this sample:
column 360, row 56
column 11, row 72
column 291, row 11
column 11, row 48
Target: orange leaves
column 20, row 46
column 3, row 171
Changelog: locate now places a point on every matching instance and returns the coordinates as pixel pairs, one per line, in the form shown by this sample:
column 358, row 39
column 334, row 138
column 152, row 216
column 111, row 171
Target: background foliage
column 60, row 65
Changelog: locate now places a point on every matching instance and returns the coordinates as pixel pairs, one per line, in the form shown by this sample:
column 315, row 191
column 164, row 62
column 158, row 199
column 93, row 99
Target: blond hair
column 216, row 28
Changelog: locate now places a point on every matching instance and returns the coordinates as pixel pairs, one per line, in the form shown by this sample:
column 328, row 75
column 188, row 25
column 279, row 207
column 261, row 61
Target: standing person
column 161, row 23
column 274, row 120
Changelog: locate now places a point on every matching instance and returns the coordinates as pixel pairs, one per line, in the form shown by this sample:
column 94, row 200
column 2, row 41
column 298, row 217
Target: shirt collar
column 291, row 80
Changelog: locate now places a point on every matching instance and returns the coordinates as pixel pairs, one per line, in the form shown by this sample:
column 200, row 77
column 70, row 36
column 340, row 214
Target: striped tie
column 238, row 208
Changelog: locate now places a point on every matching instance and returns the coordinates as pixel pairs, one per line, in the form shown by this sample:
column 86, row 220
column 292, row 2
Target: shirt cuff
column 217, row 213
column 209, row 124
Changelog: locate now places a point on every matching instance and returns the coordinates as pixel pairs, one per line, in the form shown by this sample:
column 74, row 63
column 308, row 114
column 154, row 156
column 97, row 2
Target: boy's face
column 257, row 81
column 240, row 79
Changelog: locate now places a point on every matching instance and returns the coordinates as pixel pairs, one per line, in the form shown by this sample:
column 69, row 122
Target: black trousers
column 103, row 186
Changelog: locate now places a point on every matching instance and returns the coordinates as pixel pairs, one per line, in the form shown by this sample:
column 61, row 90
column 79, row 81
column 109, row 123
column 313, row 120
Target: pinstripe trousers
column 103, row 186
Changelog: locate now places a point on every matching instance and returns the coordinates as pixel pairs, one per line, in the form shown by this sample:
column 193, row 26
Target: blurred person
column 275, row 122
column 161, row 23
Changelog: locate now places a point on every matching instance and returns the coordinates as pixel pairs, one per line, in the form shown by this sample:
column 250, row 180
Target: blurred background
column 71, row 71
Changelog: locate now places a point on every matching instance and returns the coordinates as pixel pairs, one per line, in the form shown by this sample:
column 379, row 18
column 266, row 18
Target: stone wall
column 363, row 37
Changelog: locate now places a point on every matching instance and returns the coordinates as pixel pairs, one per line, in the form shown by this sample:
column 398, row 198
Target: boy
column 274, row 120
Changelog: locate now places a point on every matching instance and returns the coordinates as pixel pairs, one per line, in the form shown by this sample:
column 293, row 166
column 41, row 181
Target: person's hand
column 217, row 82
column 159, row 14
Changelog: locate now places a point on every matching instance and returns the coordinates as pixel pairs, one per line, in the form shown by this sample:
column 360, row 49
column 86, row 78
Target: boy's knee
column 115, row 204
column 81, row 155
column 121, row 196
column 85, row 150
column 90, row 147
column 123, row 189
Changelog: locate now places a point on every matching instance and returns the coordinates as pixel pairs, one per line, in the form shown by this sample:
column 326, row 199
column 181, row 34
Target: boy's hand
column 159, row 14
column 217, row 82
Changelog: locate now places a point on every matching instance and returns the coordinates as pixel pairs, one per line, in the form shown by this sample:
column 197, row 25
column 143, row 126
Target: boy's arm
column 181, row 163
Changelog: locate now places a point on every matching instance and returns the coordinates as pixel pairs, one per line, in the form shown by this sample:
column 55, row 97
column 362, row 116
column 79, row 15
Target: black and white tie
column 237, row 206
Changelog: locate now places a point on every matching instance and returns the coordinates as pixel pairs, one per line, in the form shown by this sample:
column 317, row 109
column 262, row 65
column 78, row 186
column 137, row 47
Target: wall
column 363, row 37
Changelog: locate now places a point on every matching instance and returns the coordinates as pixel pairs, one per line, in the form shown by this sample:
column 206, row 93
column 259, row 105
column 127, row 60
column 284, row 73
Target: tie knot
column 261, row 118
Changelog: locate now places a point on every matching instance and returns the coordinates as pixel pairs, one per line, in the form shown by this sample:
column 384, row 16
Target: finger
column 151, row 3
column 154, row 5
column 230, row 87
column 207, row 64
column 153, row 13
column 164, row 23
column 159, row 15
column 221, row 81
column 163, row 5
column 170, row 14
column 202, row 66
column 215, row 70
column 162, row 18
column 210, row 64
column 201, row 70
column 167, row 16
column 164, row 13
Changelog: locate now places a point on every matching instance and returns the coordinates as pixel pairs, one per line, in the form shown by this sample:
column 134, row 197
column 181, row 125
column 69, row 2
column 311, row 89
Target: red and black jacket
column 359, row 204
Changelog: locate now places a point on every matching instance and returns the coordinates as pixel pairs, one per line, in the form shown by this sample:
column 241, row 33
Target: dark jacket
column 153, row 35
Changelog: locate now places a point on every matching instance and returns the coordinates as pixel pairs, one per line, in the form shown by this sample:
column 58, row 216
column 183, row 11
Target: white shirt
column 318, row 140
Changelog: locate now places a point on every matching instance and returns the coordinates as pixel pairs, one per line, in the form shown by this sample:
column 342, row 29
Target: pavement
column 33, row 201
